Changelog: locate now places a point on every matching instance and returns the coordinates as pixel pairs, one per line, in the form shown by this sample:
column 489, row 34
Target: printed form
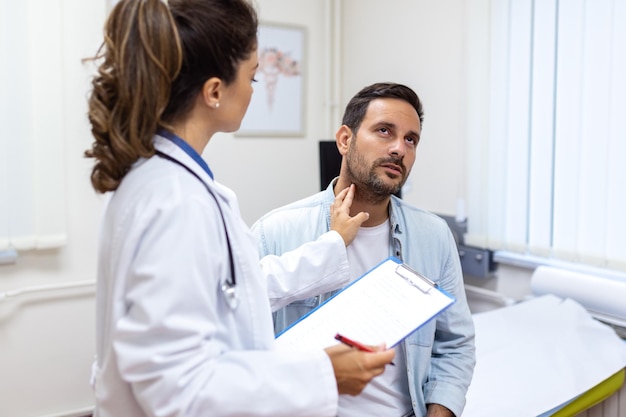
column 382, row 307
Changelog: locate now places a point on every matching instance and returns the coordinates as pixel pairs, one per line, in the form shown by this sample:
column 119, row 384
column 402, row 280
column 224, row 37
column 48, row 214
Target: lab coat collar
column 180, row 142
column 170, row 148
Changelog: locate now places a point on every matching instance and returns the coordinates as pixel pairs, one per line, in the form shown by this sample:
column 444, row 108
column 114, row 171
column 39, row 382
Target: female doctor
column 184, row 324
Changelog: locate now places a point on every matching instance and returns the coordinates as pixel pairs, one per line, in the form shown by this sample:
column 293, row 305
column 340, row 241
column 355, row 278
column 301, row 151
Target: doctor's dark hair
column 357, row 106
column 153, row 62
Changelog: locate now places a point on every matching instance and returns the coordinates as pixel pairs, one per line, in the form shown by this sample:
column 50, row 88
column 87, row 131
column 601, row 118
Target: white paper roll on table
column 605, row 296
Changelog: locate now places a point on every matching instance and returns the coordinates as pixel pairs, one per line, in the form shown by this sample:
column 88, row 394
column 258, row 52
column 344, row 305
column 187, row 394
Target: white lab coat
column 168, row 343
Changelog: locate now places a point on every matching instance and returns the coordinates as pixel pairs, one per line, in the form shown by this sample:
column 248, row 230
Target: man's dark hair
column 357, row 107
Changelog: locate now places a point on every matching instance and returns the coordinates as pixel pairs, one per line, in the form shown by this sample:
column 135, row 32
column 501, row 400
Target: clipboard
column 384, row 305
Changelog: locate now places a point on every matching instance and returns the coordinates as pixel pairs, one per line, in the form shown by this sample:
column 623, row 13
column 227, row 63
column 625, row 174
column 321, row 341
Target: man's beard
column 370, row 185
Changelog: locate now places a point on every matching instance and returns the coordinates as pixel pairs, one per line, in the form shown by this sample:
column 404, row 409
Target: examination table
column 546, row 356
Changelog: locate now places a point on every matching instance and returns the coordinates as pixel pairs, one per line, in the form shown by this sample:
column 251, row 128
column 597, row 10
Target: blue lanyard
column 188, row 150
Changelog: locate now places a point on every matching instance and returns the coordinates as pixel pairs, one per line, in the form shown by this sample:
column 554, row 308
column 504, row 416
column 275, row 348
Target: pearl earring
column 217, row 105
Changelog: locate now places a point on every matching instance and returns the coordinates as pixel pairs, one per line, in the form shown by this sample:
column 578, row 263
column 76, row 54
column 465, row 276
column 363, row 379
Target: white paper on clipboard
column 383, row 306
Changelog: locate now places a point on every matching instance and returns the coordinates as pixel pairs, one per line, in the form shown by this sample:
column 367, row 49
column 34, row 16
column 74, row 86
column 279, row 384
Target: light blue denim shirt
column 441, row 354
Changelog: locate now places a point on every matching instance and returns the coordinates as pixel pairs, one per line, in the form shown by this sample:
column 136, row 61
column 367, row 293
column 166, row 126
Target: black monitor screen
column 330, row 162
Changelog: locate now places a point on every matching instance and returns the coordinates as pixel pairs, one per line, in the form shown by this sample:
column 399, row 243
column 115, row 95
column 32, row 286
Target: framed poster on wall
column 277, row 105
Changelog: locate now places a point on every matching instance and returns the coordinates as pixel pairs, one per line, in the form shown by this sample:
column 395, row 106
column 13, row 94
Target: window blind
column 549, row 172
column 32, row 178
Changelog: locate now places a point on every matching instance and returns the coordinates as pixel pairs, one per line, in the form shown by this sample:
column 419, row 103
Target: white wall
column 47, row 343
column 421, row 44
column 47, row 340
column 269, row 172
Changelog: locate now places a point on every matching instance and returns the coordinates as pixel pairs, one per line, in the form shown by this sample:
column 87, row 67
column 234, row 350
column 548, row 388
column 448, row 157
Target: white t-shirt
column 387, row 394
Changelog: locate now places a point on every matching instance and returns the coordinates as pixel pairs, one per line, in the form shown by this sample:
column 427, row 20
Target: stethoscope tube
column 229, row 287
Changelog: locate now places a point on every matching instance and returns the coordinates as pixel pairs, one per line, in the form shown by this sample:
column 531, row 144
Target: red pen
column 355, row 344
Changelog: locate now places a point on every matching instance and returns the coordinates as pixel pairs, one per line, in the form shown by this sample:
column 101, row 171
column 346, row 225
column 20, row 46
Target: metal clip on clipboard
column 424, row 284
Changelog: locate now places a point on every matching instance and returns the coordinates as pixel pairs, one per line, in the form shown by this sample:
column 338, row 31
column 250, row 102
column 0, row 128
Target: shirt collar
column 187, row 149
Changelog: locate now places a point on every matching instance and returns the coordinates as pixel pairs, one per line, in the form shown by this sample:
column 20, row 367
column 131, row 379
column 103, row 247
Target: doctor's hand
column 340, row 220
column 354, row 369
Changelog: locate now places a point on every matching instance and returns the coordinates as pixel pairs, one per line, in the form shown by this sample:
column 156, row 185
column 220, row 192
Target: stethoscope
column 229, row 287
